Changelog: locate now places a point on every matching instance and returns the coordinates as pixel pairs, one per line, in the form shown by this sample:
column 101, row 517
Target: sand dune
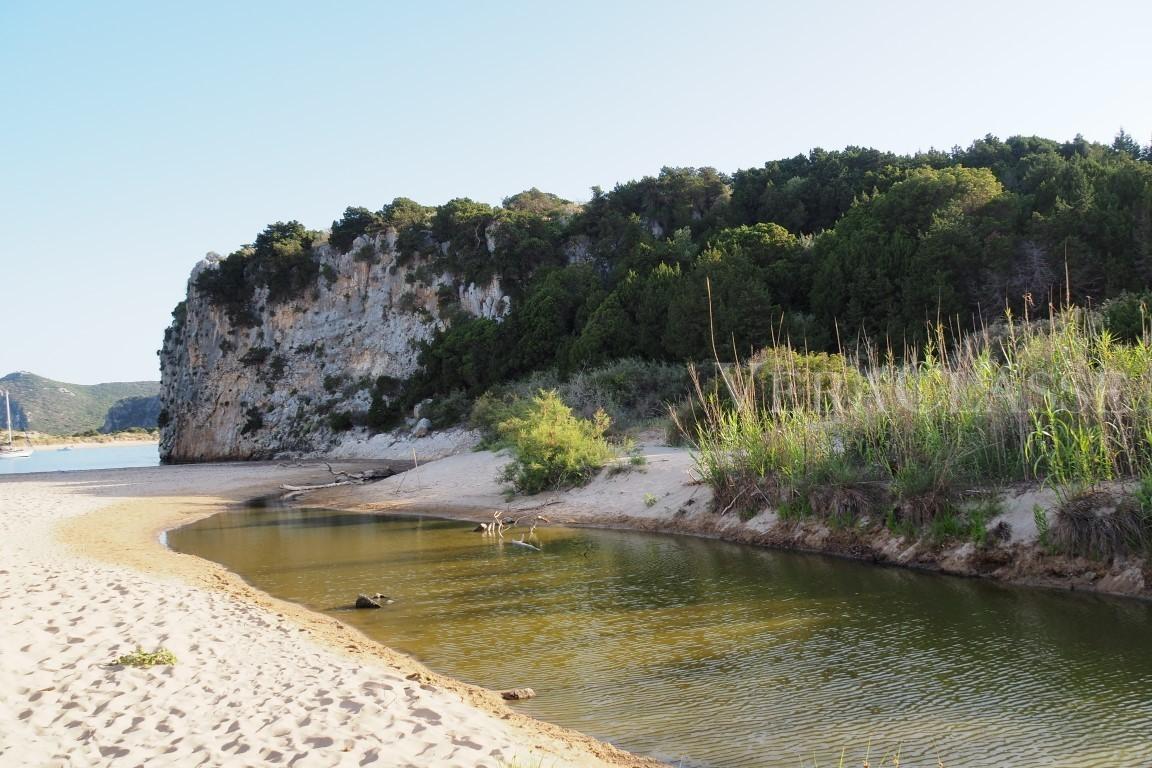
column 258, row 682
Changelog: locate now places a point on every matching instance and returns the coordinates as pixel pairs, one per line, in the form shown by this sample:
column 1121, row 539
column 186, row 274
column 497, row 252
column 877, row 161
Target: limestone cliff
column 229, row 391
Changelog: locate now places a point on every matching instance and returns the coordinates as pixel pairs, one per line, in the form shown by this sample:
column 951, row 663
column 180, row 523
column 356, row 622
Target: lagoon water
column 95, row 457
column 703, row 653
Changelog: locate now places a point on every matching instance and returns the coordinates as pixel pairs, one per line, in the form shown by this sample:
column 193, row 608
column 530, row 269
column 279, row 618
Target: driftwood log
column 500, row 524
column 338, row 479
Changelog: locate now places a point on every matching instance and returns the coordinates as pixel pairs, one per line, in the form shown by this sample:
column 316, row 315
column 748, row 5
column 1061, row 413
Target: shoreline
column 79, row 541
column 86, row 442
column 664, row 496
column 79, row 548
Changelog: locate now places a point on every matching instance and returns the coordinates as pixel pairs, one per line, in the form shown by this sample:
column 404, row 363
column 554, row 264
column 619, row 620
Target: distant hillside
column 64, row 409
column 132, row 413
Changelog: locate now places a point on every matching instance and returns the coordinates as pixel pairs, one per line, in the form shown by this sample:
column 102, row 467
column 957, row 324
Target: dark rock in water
column 375, row 601
column 517, row 694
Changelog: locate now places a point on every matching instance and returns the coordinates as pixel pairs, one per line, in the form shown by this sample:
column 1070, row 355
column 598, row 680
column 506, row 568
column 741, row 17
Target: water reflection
column 722, row 655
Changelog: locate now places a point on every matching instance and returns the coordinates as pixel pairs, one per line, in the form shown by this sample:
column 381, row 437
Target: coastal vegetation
column 142, row 658
column 551, row 447
column 822, row 251
column 870, row 335
column 914, row 441
column 633, row 393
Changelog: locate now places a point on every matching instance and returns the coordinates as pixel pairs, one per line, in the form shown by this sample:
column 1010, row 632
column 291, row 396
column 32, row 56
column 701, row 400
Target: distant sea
column 98, row 457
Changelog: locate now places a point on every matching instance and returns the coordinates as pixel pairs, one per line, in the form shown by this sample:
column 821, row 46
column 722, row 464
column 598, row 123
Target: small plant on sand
column 631, row 460
column 1040, row 517
column 650, row 500
column 143, row 658
column 978, row 516
column 552, row 447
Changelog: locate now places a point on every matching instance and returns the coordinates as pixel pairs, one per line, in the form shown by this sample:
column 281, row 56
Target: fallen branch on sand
column 339, row 478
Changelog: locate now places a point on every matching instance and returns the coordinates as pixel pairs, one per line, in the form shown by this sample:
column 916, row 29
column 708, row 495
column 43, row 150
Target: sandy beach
column 46, row 442
column 84, row 579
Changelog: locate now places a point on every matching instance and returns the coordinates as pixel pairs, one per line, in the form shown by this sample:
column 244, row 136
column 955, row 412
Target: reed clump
column 1102, row 525
column 904, row 438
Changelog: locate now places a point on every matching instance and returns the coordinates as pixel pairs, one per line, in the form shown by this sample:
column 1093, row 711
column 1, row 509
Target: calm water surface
column 99, row 457
column 711, row 654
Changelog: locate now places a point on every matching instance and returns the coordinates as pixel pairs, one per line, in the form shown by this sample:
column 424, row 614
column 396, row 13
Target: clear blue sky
column 136, row 136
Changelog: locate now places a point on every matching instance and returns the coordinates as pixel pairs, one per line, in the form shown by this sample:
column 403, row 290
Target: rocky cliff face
column 235, row 392
column 132, row 413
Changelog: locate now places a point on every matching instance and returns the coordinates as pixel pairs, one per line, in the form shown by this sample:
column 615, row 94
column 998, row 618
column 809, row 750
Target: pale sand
column 664, row 487
column 56, row 442
column 83, row 579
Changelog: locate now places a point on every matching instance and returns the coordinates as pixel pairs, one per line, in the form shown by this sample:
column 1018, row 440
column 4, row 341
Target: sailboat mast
column 8, row 415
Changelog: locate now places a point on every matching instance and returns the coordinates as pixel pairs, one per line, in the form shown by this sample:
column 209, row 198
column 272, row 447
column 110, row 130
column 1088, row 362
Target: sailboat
column 10, row 450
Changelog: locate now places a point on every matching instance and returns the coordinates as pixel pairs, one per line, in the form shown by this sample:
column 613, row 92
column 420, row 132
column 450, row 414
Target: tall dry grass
column 1058, row 402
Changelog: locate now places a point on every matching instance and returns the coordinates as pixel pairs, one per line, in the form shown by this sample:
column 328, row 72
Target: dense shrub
column 492, row 409
column 253, row 422
column 632, row 392
column 280, row 260
column 384, row 411
column 256, row 356
column 354, row 223
column 551, row 447
column 787, row 379
column 448, row 410
column 1126, row 316
column 340, row 421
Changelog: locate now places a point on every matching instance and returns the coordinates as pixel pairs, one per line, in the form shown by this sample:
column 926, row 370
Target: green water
column 711, row 654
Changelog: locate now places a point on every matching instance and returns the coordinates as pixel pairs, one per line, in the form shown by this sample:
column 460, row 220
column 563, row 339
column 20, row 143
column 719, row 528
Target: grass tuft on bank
column 905, row 438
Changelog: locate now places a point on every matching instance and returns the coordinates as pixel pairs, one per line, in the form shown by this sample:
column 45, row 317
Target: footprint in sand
column 431, row 715
column 463, row 741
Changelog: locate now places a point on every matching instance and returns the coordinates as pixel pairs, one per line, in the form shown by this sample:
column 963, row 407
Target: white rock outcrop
column 234, row 392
